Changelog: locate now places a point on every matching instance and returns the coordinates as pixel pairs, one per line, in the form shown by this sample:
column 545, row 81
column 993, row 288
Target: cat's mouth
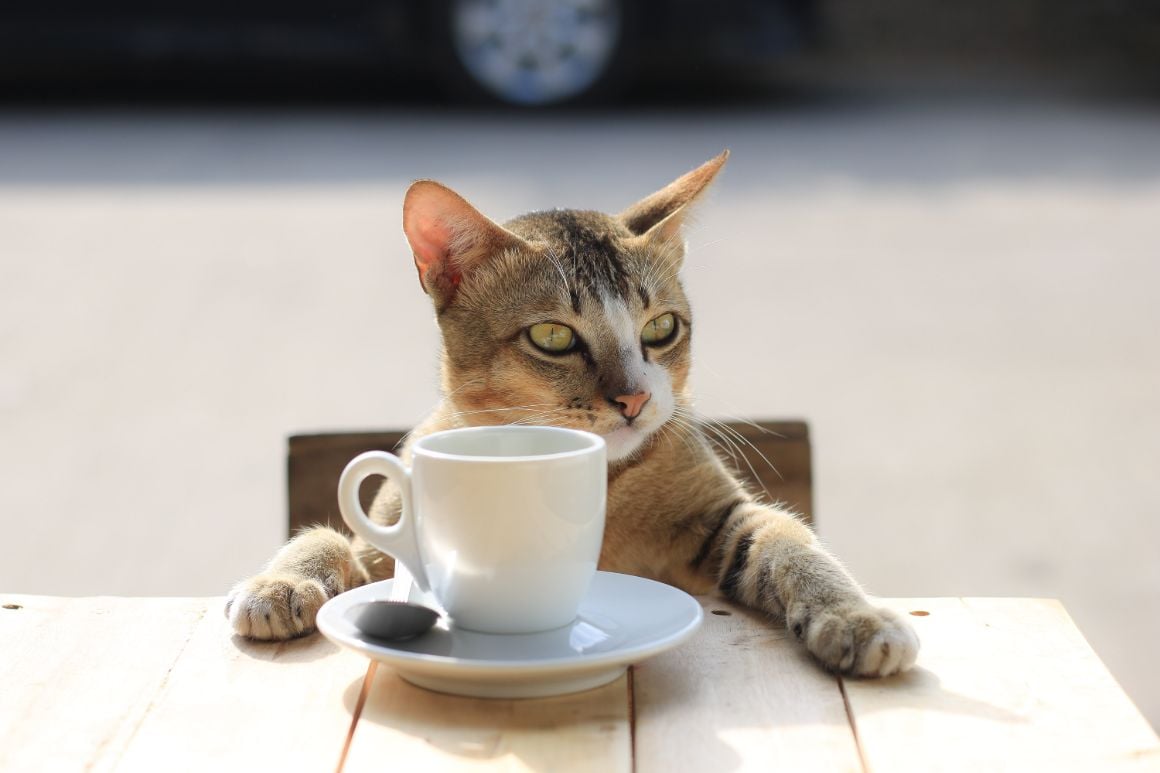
column 624, row 438
column 622, row 441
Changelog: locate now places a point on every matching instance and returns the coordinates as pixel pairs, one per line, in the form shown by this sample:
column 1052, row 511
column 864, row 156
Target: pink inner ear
column 430, row 241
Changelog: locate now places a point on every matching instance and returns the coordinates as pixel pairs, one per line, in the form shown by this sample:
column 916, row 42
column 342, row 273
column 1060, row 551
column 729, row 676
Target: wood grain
column 1001, row 684
column 234, row 704
column 403, row 727
column 741, row 695
column 774, row 457
column 78, row 676
column 161, row 684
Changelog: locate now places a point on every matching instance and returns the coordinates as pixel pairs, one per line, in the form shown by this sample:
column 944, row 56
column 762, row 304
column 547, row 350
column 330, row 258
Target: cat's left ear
column 657, row 219
column 449, row 238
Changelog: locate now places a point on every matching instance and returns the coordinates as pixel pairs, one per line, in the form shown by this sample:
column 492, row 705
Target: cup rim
column 594, row 443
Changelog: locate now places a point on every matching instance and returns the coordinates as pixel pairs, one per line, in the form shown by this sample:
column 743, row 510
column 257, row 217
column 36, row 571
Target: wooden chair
column 314, row 463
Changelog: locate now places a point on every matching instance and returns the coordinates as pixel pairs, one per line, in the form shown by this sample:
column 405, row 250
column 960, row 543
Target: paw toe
column 275, row 607
column 831, row 640
column 893, row 647
column 862, row 641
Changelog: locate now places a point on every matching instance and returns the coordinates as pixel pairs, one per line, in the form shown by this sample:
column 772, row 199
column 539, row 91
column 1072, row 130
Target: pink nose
column 631, row 405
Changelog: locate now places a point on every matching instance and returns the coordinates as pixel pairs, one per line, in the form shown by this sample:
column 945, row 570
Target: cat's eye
column 552, row 337
column 659, row 330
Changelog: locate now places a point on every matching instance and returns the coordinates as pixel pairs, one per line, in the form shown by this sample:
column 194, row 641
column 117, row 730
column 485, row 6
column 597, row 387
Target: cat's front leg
column 766, row 558
column 282, row 601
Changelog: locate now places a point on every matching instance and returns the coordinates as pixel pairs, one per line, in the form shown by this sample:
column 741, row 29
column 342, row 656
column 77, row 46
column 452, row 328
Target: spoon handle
column 401, row 587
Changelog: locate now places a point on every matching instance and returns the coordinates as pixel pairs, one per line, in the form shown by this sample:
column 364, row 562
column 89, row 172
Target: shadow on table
column 595, row 722
column 921, row 688
column 304, row 649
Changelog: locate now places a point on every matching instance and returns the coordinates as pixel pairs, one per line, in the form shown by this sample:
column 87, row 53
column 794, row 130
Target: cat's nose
column 631, row 405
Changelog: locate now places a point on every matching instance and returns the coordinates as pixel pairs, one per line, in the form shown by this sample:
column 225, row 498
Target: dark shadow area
column 403, row 54
column 331, row 86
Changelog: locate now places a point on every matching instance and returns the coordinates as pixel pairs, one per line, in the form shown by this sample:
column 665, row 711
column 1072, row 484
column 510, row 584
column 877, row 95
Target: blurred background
column 941, row 220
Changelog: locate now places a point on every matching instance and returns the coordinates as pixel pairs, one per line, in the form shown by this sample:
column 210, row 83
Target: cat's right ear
column 448, row 237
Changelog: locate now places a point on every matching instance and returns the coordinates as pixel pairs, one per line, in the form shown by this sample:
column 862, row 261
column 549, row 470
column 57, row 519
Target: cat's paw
column 859, row 640
column 275, row 606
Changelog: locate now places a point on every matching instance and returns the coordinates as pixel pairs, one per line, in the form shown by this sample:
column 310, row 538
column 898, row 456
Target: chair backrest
column 772, row 456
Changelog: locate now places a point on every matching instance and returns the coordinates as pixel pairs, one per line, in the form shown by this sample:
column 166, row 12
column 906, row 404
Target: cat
column 579, row 319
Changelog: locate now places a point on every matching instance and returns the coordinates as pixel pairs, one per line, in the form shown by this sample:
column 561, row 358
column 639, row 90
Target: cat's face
column 565, row 318
column 585, row 330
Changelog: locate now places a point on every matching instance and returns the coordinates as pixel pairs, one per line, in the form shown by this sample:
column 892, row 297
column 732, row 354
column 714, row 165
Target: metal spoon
column 396, row 618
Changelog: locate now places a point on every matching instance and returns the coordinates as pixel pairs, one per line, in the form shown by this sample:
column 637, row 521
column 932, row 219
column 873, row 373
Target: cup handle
column 400, row 540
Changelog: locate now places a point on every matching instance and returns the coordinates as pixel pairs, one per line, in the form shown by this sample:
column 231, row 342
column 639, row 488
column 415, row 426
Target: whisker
column 744, row 440
column 669, row 276
column 732, row 384
column 538, row 417
column 686, row 419
column 707, row 245
column 458, row 414
column 461, row 387
column 722, row 442
column 560, row 268
column 668, row 432
column 754, row 425
column 534, row 421
column 406, row 438
column 683, row 431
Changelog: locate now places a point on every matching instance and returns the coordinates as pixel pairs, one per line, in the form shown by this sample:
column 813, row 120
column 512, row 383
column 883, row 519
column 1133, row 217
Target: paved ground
column 962, row 299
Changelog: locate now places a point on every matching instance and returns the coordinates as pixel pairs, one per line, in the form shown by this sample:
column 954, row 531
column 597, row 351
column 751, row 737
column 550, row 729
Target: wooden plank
column 773, row 456
column 403, row 727
column 1001, row 684
column 313, row 466
column 741, row 695
column 775, row 459
column 78, row 676
column 234, row 704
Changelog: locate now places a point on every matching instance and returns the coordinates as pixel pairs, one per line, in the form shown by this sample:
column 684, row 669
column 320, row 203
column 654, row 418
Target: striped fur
column 676, row 512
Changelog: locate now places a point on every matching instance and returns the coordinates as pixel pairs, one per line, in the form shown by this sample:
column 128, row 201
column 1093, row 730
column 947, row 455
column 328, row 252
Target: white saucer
column 623, row 620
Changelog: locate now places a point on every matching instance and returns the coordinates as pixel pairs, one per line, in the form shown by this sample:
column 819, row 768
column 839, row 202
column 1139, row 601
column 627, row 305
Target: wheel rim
column 535, row 51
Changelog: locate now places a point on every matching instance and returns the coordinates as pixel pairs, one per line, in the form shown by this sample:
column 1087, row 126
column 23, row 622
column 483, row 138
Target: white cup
column 502, row 524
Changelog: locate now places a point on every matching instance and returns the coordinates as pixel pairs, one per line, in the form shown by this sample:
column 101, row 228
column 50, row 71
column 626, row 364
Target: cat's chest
column 643, row 517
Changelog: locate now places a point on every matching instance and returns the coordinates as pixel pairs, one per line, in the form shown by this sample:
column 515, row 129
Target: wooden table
column 160, row 685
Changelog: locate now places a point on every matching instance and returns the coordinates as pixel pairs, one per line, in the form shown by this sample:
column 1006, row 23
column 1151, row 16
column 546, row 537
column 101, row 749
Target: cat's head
column 567, row 318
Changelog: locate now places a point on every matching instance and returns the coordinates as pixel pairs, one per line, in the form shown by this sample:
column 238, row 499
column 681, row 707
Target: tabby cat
column 578, row 319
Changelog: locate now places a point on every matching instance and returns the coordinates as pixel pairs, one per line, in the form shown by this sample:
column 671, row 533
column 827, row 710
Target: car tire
column 533, row 53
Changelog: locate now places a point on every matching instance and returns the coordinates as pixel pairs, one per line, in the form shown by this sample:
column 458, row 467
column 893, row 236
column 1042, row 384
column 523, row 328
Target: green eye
column 659, row 330
column 552, row 337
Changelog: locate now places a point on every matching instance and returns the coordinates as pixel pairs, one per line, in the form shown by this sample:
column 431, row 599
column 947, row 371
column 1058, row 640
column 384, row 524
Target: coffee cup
column 502, row 525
